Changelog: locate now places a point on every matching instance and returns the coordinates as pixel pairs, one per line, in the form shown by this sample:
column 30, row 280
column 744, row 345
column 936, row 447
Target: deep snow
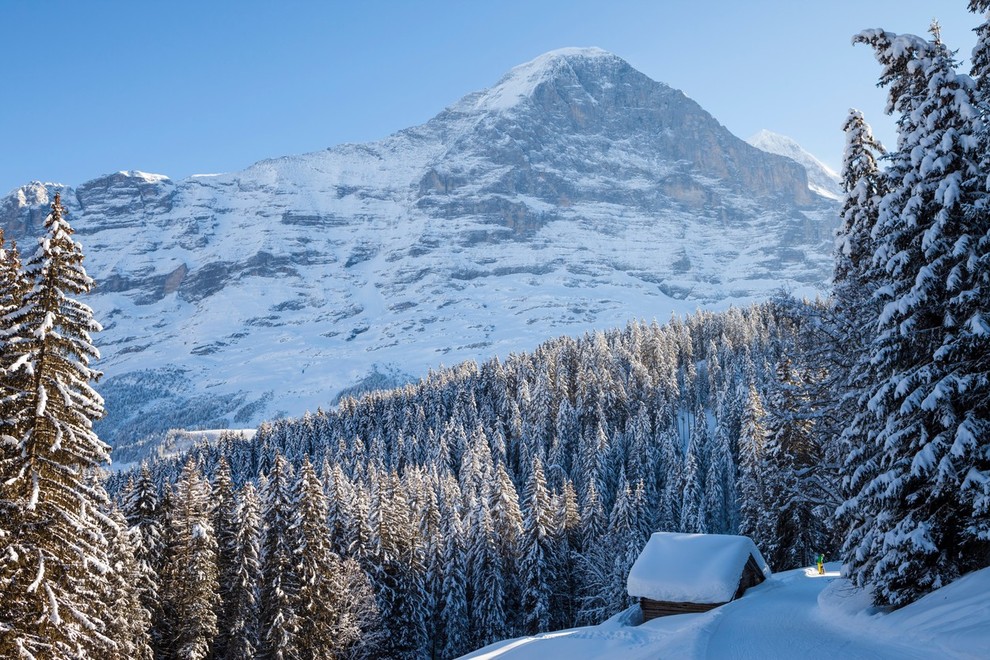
column 795, row 614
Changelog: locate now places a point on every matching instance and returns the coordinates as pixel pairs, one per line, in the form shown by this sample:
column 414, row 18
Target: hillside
column 795, row 614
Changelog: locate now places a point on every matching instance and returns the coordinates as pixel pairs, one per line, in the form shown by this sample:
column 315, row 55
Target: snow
column 822, row 179
column 692, row 568
column 521, row 81
column 145, row 176
column 795, row 614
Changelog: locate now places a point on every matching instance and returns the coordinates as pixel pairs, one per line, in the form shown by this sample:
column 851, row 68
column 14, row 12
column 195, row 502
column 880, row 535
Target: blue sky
column 184, row 87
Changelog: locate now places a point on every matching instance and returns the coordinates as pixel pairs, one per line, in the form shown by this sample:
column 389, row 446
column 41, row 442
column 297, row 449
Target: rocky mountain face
column 575, row 194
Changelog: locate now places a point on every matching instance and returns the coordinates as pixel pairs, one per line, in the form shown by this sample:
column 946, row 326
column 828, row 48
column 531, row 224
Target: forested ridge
column 511, row 497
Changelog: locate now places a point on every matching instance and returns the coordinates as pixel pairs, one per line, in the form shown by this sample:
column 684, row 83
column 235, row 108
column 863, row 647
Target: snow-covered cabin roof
column 692, row 568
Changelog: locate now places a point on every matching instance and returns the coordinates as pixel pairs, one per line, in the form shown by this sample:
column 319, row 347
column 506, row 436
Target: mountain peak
column 522, row 81
column 821, row 178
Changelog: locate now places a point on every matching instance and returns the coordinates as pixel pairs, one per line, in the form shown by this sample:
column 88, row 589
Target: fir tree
column 279, row 622
column 321, row 602
column 239, row 631
column 927, row 504
column 130, row 621
column 54, row 559
column 507, row 527
column 189, row 583
column 145, row 519
column 536, row 561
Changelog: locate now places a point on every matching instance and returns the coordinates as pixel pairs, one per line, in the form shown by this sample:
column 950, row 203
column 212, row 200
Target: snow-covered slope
column 821, row 178
column 796, row 614
column 574, row 194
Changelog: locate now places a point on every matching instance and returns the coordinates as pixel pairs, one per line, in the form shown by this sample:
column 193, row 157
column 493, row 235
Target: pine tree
column 321, row 603
column 279, row 622
column 790, row 451
column 692, row 503
column 536, row 563
column 754, row 514
column 54, row 559
column 225, row 527
column 485, row 580
column 670, row 464
column 144, row 513
column 926, row 508
column 189, row 584
column 719, row 495
column 130, row 622
column 240, row 622
column 623, row 545
column 453, row 606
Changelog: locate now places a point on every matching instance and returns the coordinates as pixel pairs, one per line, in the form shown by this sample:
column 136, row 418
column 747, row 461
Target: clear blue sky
column 185, row 87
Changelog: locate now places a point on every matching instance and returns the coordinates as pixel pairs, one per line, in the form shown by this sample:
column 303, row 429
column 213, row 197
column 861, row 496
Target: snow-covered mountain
column 821, row 178
column 574, row 194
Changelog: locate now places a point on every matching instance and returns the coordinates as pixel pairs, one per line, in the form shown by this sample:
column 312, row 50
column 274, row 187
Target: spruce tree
column 754, row 515
column 130, row 622
column 189, row 584
column 507, row 526
column 225, row 527
column 537, row 556
column 321, row 602
column 279, row 630
column 240, row 622
column 928, row 501
column 54, row 559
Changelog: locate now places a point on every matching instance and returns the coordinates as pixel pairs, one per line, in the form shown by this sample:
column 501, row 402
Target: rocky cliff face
column 574, row 194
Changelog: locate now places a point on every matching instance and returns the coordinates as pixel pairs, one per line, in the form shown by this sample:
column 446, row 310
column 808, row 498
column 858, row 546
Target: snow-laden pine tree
column 755, row 520
column 189, row 583
column 130, row 623
column 856, row 277
column 624, row 545
column 486, row 582
column 790, row 453
column 240, row 620
column 593, row 560
column 670, row 465
column 857, row 283
column 279, row 632
column 225, row 527
column 399, row 576
column 536, row 556
column 321, row 603
column 507, row 527
column 568, row 526
column 455, row 633
column 720, row 481
column 980, row 56
column 926, row 508
column 693, row 496
column 54, row 558
column 143, row 511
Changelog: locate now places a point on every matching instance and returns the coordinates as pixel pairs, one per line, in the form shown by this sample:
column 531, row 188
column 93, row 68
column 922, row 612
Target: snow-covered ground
column 796, row 614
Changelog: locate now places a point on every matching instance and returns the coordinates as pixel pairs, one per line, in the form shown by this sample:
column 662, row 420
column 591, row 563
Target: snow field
column 795, row 614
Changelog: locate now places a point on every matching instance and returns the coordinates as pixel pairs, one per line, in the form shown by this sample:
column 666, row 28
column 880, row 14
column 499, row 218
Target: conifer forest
column 510, row 497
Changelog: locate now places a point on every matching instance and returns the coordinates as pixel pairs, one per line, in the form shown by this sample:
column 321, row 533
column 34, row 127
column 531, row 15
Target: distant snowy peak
column 821, row 178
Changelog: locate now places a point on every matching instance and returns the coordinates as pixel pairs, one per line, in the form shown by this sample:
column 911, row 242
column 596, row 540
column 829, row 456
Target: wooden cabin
column 684, row 573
